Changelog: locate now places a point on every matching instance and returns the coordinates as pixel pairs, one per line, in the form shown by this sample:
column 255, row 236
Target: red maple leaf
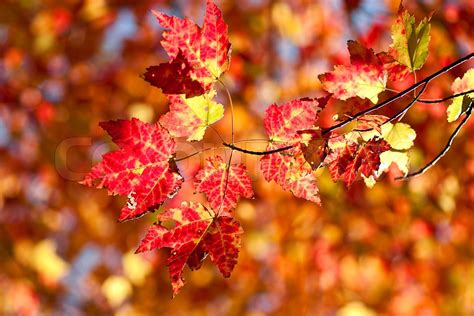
column 283, row 122
column 223, row 184
column 371, row 122
column 291, row 171
column 350, row 159
column 174, row 77
column 206, row 49
column 395, row 70
column 141, row 168
column 365, row 77
column 285, row 125
column 197, row 232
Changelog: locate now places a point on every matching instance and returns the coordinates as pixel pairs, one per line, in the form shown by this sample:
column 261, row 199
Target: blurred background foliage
column 401, row 248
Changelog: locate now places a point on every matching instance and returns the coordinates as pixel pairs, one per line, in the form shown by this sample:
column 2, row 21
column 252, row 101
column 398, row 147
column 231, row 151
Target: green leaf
column 410, row 42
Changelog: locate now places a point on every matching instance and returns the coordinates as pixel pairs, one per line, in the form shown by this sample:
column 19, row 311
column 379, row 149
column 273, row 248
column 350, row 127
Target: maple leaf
column 197, row 232
column 340, row 156
column 350, row 107
column 400, row 136
column 283, row 125
column 395, row 70
column 461, row 103
column 292, row 172
column 206, row 49
column 369, row 121
column 189, row 117
column 410, row 42
column 400, row 158
column 348, row 159
column 140, row 169
column 369, row 126
column 223, row 184
column 174, row 77
column 365, row 77
column 315, row 151
column 283, row 122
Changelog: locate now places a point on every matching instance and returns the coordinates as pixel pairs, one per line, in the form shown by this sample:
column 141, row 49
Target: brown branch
column 445, row 149
column 376, row 107
column 258, row 153
column 408, row 106
column 445, row 98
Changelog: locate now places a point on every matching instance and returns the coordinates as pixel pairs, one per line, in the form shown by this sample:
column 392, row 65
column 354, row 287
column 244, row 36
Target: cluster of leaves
column 144, row 167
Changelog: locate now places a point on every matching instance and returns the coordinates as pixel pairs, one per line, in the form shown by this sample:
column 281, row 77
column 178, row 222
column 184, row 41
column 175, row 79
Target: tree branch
column 258, row 153
column 427, row 101
column 399, row 95
column 378, row 106
column 401, row 113
column 445, row 149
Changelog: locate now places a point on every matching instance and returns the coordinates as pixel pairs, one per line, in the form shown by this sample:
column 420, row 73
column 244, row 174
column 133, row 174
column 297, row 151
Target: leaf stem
column 231, row 107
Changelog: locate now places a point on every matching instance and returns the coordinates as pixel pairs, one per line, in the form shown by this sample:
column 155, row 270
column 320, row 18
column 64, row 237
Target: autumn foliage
column 144, row 168
column 276, row 157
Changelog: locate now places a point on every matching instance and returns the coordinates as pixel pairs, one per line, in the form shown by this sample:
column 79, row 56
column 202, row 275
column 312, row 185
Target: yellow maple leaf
column 459, row 104
column 190, row 117
column 400, row 136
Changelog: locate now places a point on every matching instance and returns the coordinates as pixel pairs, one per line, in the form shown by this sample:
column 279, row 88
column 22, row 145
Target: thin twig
column 196, row 153
column 420, row 101
column 217, row 133
column 399, row 95
column 445, row 149
column 431, row 101
column 257, row 153
column 401, row 113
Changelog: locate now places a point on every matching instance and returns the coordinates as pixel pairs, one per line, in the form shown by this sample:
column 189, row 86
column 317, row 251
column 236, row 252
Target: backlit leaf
column 397, row 157
column 286, row 125
column 459, row 104
column 365, row 77
column 140, row 169
column 292, row 172
column 410, row 42
column 197, row 231
column 395, row 70
column 189, row 117
column 223, row 184
column 349, row 159
column 206, row 49
column 283, row 122
column 400, row 136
